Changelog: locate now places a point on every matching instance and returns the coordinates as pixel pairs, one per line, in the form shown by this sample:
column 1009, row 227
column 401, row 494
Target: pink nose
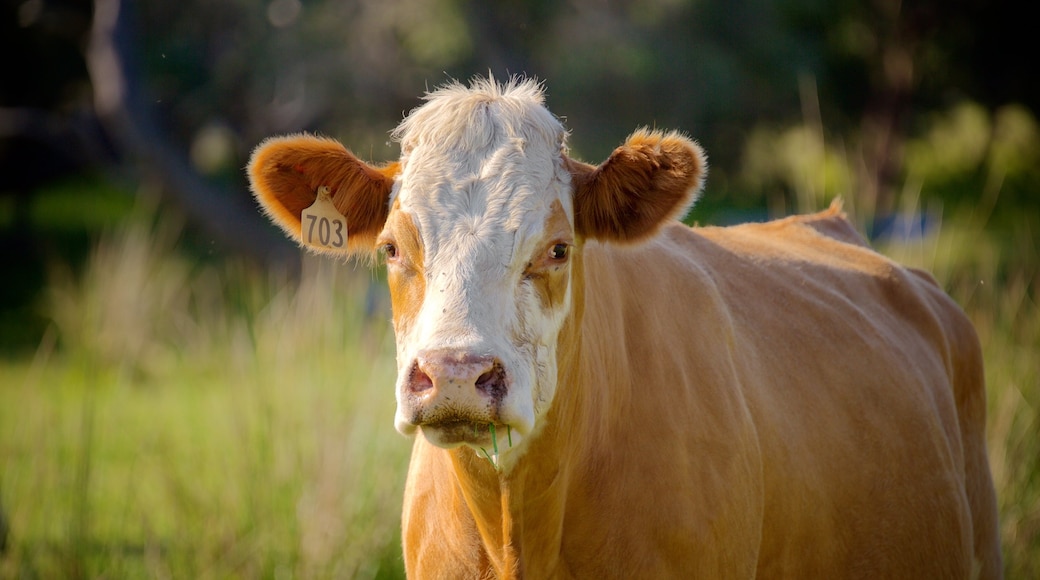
column 438, row 372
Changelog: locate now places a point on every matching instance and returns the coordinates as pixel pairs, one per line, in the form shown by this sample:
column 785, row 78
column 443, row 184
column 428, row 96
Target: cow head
column 481, row 223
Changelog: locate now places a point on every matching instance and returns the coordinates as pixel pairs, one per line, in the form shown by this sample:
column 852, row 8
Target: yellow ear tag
column 321, row 224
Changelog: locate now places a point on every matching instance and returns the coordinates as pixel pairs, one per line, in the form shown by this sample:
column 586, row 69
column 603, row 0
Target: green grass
column 190, row 421
column 201, row 423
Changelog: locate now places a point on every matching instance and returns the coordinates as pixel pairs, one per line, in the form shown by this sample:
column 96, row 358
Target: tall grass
column 191, row 421
column 208, row 421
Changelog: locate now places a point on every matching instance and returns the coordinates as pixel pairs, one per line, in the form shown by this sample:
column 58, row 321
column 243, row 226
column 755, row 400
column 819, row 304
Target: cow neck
column 519, row 514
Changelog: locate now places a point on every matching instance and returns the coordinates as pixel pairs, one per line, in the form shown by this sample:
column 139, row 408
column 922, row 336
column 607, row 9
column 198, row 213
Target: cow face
column 480, row 224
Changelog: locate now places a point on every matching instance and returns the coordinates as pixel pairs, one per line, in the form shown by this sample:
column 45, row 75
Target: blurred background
column 182, row 394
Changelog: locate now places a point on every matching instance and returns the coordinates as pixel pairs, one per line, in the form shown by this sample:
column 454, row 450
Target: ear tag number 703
column 321, row 224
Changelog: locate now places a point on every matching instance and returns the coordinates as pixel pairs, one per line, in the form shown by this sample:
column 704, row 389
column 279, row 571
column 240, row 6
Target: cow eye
column 390, row 251
column 559, row 252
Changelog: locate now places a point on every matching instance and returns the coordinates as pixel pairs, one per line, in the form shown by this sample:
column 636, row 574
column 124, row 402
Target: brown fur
column 761, row 400
column 550, row 276
column 286, row 172
column 653, row 177
column 405, row 272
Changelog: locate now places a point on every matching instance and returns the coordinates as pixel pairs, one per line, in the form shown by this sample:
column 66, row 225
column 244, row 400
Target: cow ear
column 652, row 178
column 286, row 172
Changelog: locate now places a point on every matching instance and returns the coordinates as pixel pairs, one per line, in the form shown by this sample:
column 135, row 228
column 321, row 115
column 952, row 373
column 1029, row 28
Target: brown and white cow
column 602, row 391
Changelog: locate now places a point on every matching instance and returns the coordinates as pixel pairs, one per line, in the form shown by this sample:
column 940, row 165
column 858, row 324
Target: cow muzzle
column 454, row 397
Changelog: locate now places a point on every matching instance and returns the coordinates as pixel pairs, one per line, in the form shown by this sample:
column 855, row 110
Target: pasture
column 190, row 419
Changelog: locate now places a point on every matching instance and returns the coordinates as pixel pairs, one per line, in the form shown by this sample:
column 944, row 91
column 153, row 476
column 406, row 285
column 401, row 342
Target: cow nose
column 436, row 372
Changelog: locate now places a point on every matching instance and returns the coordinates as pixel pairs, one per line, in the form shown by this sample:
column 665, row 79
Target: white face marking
column 477, row 315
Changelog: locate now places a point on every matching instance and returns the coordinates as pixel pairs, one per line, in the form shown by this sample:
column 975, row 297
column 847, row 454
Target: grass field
column 206, row 421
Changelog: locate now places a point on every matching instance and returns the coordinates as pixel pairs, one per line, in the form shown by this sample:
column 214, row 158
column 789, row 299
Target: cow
column 600, row 391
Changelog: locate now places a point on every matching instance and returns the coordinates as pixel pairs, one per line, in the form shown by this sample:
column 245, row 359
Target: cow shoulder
column 834, row 223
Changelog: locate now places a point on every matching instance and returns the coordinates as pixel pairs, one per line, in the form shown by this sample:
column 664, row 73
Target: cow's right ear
column 286, row 172
column 654, row 177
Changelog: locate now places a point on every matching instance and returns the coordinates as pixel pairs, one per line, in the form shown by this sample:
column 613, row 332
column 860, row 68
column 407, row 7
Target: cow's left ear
column 285, row 174
column 652, row 178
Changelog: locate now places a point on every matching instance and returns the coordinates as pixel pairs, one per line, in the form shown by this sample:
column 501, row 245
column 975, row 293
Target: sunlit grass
column 195, row 422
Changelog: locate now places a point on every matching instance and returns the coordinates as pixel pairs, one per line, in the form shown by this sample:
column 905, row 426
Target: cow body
column 601, row 391
column 762, row 400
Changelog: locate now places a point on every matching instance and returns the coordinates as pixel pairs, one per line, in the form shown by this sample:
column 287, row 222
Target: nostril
column 419, row 381
column 436, row 373
column 493, row 381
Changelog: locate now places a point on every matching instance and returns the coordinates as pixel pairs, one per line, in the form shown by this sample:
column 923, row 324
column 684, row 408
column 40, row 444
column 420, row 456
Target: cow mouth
column 477, row 434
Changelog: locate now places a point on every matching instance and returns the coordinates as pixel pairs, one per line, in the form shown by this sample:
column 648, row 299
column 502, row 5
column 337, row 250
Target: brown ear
column 653, row 177
column 286, row 172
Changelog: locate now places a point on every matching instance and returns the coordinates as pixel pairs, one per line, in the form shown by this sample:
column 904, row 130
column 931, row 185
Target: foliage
column 718, row 70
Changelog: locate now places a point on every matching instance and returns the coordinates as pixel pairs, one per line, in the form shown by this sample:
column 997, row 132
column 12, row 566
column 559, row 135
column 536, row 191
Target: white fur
column 481, row 168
